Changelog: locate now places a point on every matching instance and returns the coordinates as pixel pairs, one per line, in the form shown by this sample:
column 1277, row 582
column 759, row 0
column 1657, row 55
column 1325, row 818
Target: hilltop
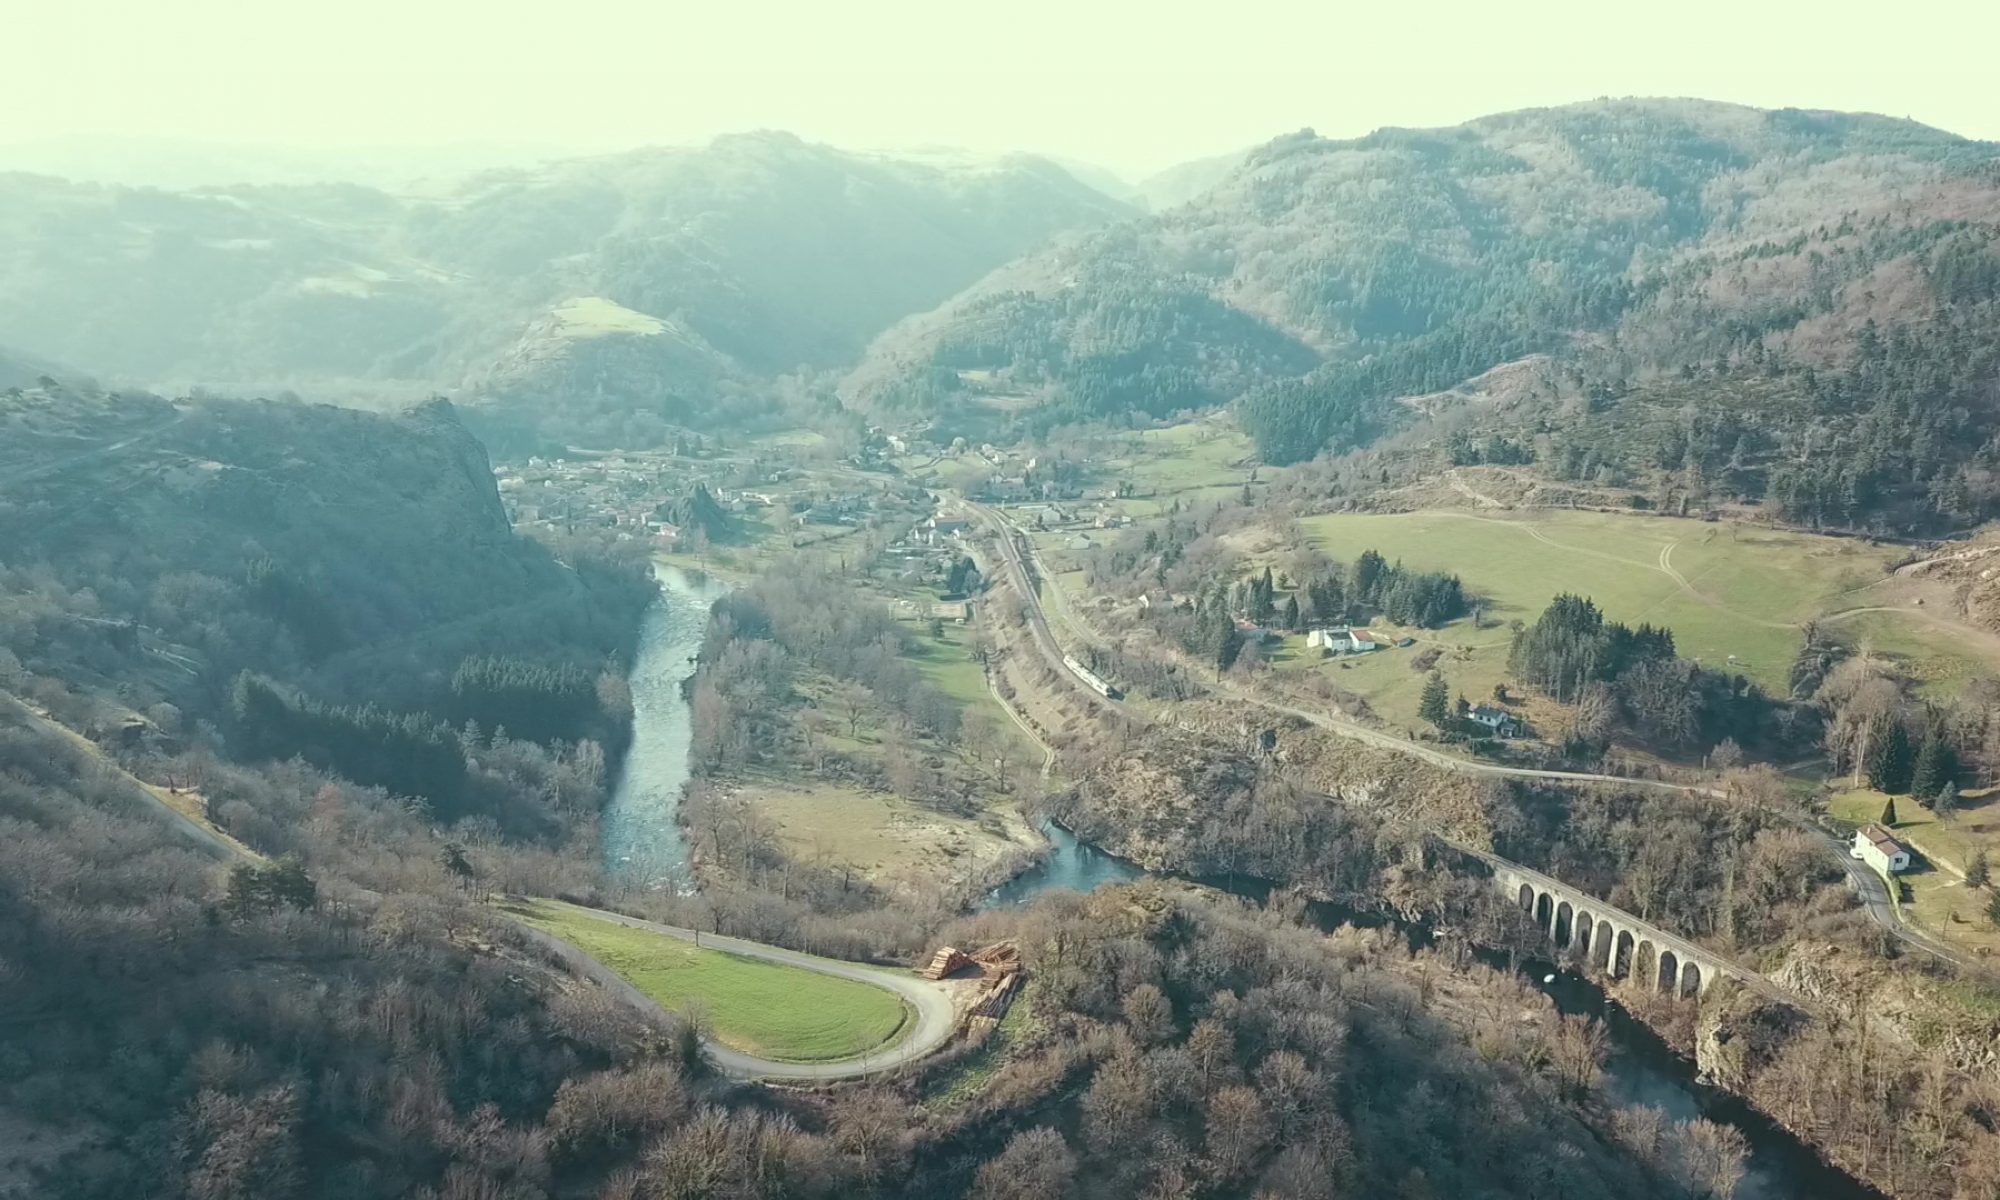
column 605, row 297
column 1322, row 281
column 161, row 549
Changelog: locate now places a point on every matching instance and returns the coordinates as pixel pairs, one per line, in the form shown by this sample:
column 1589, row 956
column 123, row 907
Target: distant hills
column 1323, row 279
column 1703, row 302
column 604, row 297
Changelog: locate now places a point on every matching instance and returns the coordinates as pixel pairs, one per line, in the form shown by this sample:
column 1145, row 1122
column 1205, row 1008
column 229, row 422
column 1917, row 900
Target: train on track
column 1091, row 677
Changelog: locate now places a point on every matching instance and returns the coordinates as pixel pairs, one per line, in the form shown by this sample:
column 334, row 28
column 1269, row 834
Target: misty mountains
column 637, row 282
column 1323, row 280
column 1324, row 287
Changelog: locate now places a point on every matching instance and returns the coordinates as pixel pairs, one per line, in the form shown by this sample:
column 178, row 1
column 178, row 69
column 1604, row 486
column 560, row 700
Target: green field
column 1935, row 894
column 1732, row 594
column 777, row 1012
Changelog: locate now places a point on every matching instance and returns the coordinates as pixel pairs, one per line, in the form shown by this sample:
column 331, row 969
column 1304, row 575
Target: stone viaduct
column 1610, row 939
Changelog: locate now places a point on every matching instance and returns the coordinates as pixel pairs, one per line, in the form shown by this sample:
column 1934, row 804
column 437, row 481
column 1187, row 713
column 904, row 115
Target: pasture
column 1733, row 595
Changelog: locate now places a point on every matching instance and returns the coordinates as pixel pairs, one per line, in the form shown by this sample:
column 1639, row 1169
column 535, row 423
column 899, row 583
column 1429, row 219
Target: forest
column 302, row 1037
column 1725, row 330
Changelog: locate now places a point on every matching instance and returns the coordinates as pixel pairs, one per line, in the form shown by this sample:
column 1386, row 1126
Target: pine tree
column 1889, row 814
column 1934, row 767
column 1435, row 706
column 1978, row 871
column 1261, row 592
column 1947, row 800
column 1293, row 619
column 1889, row 758
column 1993, row 908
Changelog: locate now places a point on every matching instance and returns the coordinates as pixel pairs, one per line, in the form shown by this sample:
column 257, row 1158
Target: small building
column 1250, row 631
column 1499, row 720
column 1341, row 639
column 938, row 529
column 1874, row 846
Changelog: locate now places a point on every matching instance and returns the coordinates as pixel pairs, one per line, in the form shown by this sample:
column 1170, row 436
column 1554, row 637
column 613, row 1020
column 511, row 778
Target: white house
column 1342, row 640
column 1874, row 846
column 1499, row 720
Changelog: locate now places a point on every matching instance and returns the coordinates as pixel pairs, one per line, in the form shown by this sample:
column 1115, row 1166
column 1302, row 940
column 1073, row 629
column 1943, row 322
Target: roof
column 1486, row 712
column 1883, row 842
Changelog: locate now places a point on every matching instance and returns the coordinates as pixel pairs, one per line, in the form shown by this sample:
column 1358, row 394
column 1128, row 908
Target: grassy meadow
column 1732, row 594
column 778, row 1012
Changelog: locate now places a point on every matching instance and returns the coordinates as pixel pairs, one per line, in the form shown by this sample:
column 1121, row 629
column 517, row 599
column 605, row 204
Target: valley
column 1449, row 662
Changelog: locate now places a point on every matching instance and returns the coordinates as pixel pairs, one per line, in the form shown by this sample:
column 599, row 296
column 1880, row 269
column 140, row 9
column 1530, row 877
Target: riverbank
column 641, row 835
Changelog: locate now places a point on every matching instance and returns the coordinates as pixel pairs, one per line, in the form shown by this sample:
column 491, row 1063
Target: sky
column 1132, row 86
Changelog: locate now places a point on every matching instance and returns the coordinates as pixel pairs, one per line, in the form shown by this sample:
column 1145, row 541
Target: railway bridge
column 1611, row 939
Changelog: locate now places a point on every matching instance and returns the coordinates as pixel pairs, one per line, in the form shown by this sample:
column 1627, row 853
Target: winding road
column 1868, row 886
column 936, row 1019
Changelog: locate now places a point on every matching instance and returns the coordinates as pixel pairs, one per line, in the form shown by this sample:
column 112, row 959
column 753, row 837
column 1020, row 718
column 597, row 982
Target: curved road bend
column 1868, row 887
column 936, row 1019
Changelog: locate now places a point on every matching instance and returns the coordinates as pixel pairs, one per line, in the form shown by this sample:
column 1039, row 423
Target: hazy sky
column 1135, row 86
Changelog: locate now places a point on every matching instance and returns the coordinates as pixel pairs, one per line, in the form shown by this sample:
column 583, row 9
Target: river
column 643, row 844
column 1640, row 1069
column 641, row 837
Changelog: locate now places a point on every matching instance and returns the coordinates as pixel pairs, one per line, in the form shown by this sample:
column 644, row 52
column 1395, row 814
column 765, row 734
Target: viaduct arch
column 1616, row 942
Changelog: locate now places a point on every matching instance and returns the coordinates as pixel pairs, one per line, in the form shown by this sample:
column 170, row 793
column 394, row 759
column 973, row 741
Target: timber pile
column 946, row 961
column 999, row 960
column 999, row 998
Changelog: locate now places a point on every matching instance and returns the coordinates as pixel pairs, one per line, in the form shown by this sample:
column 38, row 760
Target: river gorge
column 643, row 844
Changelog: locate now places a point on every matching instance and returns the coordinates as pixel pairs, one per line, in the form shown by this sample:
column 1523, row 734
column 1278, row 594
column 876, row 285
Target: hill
column 1322, row 280
column 566, row 296
column 161, row 549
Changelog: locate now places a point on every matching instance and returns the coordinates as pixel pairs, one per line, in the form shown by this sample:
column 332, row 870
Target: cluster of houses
column 624, row 492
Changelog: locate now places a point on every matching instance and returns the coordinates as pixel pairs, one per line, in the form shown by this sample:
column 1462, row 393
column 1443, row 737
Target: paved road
column 1873, row 892
column 1343, row 726
column 1868, row 886
column 935, row 1018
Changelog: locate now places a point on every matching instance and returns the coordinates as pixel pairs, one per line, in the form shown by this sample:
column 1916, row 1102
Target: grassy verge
column 1938, row 898
column 778, row 1012
column 969, row 1075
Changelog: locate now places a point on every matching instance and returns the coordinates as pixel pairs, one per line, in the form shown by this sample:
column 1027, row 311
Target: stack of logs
column 999, row 970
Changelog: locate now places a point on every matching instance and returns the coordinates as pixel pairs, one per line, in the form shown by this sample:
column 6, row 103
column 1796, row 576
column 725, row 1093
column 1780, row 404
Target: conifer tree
column 1889, row 759
column 1435, row 706
column 1934, row 766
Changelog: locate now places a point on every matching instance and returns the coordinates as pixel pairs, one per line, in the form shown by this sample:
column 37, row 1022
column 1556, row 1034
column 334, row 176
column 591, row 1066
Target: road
column 1038, row 626
column 935, row 1017
column 149, row 797
column 1873, row 891
column 1868, row 887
